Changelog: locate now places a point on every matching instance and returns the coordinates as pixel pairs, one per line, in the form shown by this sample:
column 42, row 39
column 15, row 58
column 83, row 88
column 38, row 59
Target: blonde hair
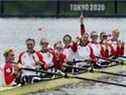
column 7, row 51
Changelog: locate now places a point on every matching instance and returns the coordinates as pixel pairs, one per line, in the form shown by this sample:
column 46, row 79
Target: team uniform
column 117, row 50
column 46, row 58
column 85, row 53
column 8, row 73
column 96, row 48
column 105, row 51
column 28, row 60
column 59, row 61
column 102, row 51
column 70, row 51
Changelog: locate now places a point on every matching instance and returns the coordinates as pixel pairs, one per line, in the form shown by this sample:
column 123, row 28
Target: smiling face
column 30, row 45
column 67, row 39
column 9, row 56
column 94, row 37
column 103, row 36
column 44, row 45
column 84, row 38
column 115, row 35
column 58, row 47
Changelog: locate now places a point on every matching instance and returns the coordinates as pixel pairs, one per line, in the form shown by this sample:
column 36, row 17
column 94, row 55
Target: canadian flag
column 8, row 73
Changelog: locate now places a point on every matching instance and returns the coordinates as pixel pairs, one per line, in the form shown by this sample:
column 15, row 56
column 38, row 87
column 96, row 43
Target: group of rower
column 95, row 48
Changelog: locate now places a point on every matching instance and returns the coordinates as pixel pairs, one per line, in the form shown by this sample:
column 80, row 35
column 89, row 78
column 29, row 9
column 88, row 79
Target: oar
column 114, row 60
column 105, row 72
column 122, row 56
column 73, row 67
column 77, row 77
column 109, row 60
column 110, row 73
column 85, row 69
column 98, row 71
column 95, row 80
column 35, row 70
column 77, row 61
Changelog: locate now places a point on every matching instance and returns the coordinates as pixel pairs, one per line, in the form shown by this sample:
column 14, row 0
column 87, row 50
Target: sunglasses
column 45, row 43
column 29, row 44
column 94, row 36
column 105, row 36
column 58, row 48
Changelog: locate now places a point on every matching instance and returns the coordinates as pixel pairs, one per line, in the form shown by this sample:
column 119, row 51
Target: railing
column 62, row 8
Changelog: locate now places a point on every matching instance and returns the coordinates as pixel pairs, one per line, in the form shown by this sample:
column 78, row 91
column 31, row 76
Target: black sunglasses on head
column 104, row 36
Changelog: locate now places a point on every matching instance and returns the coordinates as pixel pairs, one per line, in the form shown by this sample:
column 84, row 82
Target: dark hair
column 67, row 36
column 30, row 39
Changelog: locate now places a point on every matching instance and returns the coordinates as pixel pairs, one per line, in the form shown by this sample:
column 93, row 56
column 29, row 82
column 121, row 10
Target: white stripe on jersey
column 84, row 52
column 70, row 55
column 96, row 49
column 47, row 57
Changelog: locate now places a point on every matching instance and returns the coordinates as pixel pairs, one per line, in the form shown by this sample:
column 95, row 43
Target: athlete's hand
column 77, row 40
column 45, row 67
column 123, row 44
column 81, row 18
column 19, row 66
column 119, row 43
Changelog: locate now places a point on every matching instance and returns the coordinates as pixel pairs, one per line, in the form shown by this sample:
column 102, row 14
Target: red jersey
column 59, row 61
column 8, row 73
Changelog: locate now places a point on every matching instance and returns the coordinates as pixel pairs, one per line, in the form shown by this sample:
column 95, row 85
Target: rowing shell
column 57, row 83
column 7, row 88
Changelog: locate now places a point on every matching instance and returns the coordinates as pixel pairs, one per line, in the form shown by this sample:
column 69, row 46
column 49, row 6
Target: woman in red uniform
column 59, row 59
column 105, row 49
column 117, row 45
column 9, row 67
